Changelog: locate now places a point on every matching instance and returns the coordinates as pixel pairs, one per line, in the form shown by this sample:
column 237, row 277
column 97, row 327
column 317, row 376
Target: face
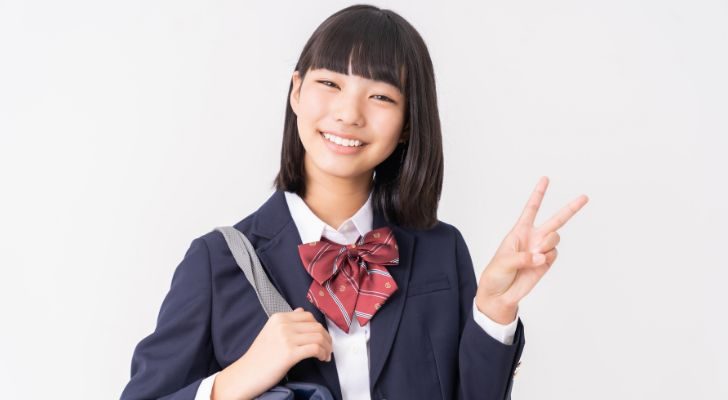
column 364, row 116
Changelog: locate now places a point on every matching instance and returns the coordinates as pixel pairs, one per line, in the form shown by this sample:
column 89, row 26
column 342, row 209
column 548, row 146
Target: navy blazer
column 424, row 343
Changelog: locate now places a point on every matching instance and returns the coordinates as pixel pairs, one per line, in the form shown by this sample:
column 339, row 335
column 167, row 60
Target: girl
column 399, row 315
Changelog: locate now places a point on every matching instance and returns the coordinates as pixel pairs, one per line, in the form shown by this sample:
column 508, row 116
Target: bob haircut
column 380, row 45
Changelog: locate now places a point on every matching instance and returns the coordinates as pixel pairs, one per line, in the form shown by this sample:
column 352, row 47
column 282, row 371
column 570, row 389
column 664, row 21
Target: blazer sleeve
column 171, row 362
column 485, row 365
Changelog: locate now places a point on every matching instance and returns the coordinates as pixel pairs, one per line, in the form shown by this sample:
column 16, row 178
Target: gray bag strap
column 247, row 260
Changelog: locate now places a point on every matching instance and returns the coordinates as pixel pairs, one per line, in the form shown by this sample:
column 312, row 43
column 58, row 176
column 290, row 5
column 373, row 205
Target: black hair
column 380, row 45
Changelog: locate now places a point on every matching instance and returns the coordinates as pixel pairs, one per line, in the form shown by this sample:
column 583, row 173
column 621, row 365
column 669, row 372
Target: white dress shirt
column 352, row 350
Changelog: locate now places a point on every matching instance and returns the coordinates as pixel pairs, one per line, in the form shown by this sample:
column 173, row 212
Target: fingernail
column 539, row 258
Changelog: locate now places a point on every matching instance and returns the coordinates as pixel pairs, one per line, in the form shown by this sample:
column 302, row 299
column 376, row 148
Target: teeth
column 341, row 141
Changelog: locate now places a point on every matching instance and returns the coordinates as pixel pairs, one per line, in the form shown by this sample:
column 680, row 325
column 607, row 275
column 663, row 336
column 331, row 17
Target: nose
column 347, row 111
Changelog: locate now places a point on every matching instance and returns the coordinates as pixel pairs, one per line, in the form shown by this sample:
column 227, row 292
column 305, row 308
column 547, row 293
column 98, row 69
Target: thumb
column 525, row 259
column 537, row 259
column 299, row 309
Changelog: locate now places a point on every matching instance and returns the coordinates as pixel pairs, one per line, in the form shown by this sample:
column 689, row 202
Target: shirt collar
column 311, row 228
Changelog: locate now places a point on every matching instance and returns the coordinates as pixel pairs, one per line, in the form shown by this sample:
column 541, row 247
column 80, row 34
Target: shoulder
column 214, row 241
column 440, row 228
column 442, row 233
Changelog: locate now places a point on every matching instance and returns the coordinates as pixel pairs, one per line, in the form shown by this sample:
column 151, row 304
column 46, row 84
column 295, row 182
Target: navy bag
column 272, row 302
column 297, row 390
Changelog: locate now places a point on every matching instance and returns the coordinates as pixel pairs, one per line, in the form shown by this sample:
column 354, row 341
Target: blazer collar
column 278, row 252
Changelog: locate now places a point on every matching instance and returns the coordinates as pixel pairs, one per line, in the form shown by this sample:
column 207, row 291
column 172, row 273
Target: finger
column 549, row 242
column 539, row 269
column 551, row 256
column 561, row 217
column 313, row 337
column 305, row 327
column 298, row 315
column 312, row 350
column 534, row 202
column 523, row 259
column 533, row 274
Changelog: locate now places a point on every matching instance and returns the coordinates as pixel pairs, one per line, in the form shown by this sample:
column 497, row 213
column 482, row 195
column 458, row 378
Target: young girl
column 384, row 294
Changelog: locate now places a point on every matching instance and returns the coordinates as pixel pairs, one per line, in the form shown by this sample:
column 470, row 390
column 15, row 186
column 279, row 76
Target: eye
column 332, row 84
column 385, row 98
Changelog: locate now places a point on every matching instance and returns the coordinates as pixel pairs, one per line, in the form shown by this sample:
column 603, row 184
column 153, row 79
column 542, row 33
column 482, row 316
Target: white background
column 129, row 128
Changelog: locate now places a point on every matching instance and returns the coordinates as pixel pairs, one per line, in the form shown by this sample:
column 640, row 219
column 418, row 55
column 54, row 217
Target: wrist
column 225, row 386
column 497, row 310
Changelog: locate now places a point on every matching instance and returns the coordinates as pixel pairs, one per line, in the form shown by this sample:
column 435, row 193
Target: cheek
column 389, row 127
column 312, row 106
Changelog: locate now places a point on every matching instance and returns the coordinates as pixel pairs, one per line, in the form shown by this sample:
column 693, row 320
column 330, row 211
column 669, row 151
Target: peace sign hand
column 523, row 257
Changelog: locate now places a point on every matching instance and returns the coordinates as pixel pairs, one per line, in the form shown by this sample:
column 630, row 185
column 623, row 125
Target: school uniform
column 428, row 342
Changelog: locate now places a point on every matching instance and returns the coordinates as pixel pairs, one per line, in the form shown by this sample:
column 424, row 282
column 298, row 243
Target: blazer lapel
column 386, row 320
column 279, row 254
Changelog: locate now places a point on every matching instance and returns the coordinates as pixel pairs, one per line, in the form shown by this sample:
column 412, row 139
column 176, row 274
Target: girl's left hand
column 522, row 258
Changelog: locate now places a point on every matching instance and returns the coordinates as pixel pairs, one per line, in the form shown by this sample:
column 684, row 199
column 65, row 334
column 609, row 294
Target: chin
column 340, row 170
column 339, row 173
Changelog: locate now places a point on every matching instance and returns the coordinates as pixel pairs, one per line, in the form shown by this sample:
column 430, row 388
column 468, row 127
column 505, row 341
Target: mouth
column 340, row 146
column 341, row 142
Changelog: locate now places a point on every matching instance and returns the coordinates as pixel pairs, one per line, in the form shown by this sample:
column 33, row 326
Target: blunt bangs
column 367, row 42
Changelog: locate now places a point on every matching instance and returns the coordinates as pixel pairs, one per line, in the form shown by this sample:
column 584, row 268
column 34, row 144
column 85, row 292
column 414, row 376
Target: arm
column 486, row 365
column 171, row 362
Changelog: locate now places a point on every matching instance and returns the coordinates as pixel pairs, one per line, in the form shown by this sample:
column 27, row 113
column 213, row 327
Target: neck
column 334, row 199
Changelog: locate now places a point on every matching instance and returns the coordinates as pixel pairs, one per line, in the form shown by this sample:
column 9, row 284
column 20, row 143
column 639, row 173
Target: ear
column 295, row 91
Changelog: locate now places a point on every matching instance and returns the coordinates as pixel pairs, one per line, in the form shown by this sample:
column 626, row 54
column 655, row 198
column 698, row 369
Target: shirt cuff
column 500, row 332
column 204, row 391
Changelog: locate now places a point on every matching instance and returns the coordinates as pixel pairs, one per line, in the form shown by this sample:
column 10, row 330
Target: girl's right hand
column 286, row 339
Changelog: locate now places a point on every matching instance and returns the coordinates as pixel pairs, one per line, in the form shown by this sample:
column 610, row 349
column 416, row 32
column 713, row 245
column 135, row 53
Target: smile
column 341, row 141
column 342, row 146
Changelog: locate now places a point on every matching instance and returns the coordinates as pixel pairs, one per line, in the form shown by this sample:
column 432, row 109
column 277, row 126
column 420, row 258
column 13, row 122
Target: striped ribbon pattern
column 351, row 279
